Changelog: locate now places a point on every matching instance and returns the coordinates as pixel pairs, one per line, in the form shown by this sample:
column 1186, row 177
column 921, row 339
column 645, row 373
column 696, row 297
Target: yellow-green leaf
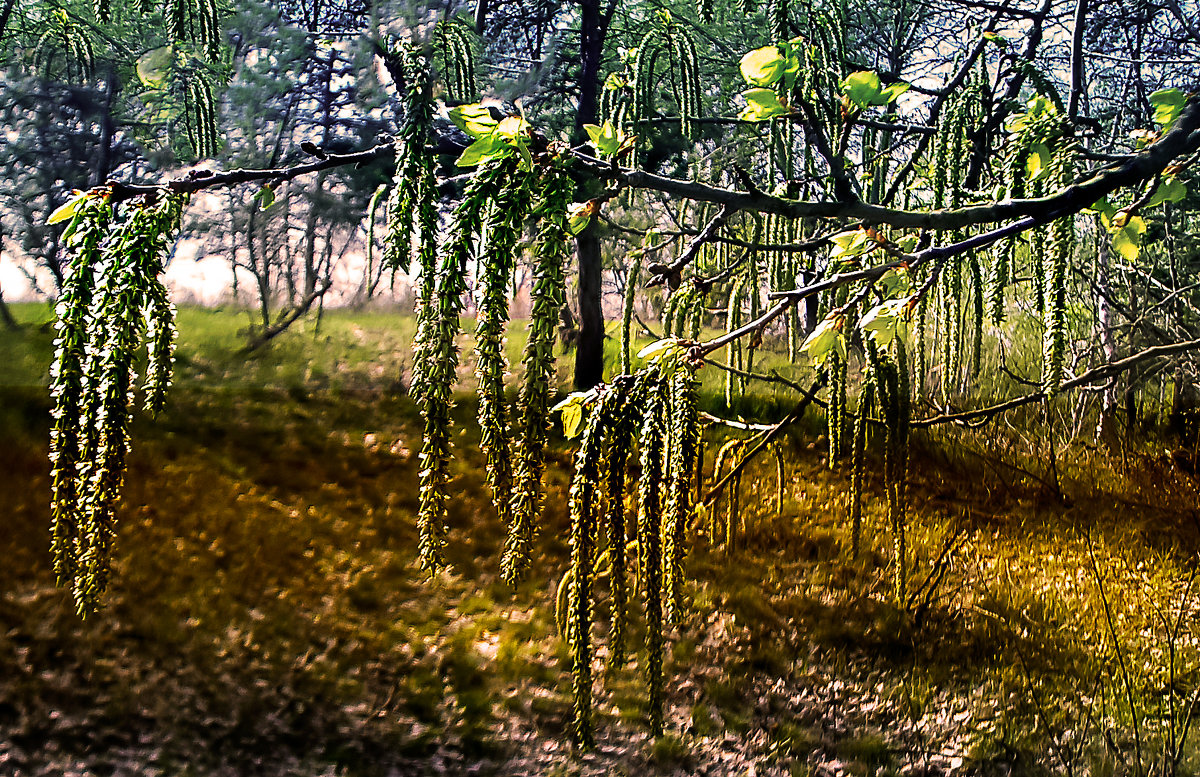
column 763, row 67
column 825, row 339
column 1168, row 104
column 579, row 215
column 475, row 120
column 862, row 88
column 486, row 149
column 884, row 321
column 761, row 104
column 1037, row 164
column 572, row 419
column 606, row 138
column 1171, row 190
column 67, row 209
column 511, row 127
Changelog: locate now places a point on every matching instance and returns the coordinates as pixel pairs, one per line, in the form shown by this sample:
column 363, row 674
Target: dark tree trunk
column 589, row 354
column 589, row 351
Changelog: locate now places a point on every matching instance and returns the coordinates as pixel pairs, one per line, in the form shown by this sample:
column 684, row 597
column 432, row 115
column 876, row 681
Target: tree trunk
column 589, row 351
column 589, row 354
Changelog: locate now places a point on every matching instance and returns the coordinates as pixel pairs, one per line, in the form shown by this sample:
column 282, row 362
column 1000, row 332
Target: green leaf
column 572, row 411
column 486, row 149
column 475, row 120
column 1127, row 237
column 895, row 281
column 572, row 398
column 825, row 339
column 1168, row 104
column 572, row 419
column 793, row 50
column 884, row 321
column 579, row 215
column 1105, row 209
column 997, row 39
column 265, row 197
column 763, row 67
column 862, row 88
column 847, row 245
column 67, row 209
column 512, row 127
column 606, row 138
column 661, row 349
column 1037, row 164
column 154, row 66
column 614, row 81
column 1170, row 190
column 892, row 91
column 761, row 104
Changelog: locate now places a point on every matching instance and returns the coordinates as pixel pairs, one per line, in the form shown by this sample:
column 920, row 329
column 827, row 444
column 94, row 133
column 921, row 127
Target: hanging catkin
column 113, row 294
column 532, row 419
column 502, row 230
column 652, row 438
column 683, row 419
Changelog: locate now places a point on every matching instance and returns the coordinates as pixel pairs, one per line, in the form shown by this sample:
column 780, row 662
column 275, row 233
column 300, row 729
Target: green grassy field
column 268, row 617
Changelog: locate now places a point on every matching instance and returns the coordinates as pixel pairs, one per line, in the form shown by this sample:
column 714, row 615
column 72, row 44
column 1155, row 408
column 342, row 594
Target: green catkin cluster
column 584, row 499
column 683, row 432
column 435, row 361
column 1062, row 245
column 670, row 308
column 195, row 21
column 652, row 439
column 889, row 375
column 453, row 42
column 62, row 32
column 1037, row 256
column 977, row 310
column 618, row 443
column 671, row 40
column 733, row 351
column 111, row 297
column 67, row 378
column 664, row 396
column 858, row 462
column 919, row 342
column 200, row 117
column 727, row 452
column 414, row 193
column 757, row 273
column 836, row 415
column 687, row 81
column 550, row 252
column 998, row 280
column 372, row 218
column 777, row 20
column 161, row 333
column 503, row 225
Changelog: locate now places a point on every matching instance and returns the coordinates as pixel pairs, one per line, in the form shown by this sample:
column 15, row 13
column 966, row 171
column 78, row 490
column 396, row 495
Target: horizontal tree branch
column 1094, row 375
column 1183, row 138
column 198, row 180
